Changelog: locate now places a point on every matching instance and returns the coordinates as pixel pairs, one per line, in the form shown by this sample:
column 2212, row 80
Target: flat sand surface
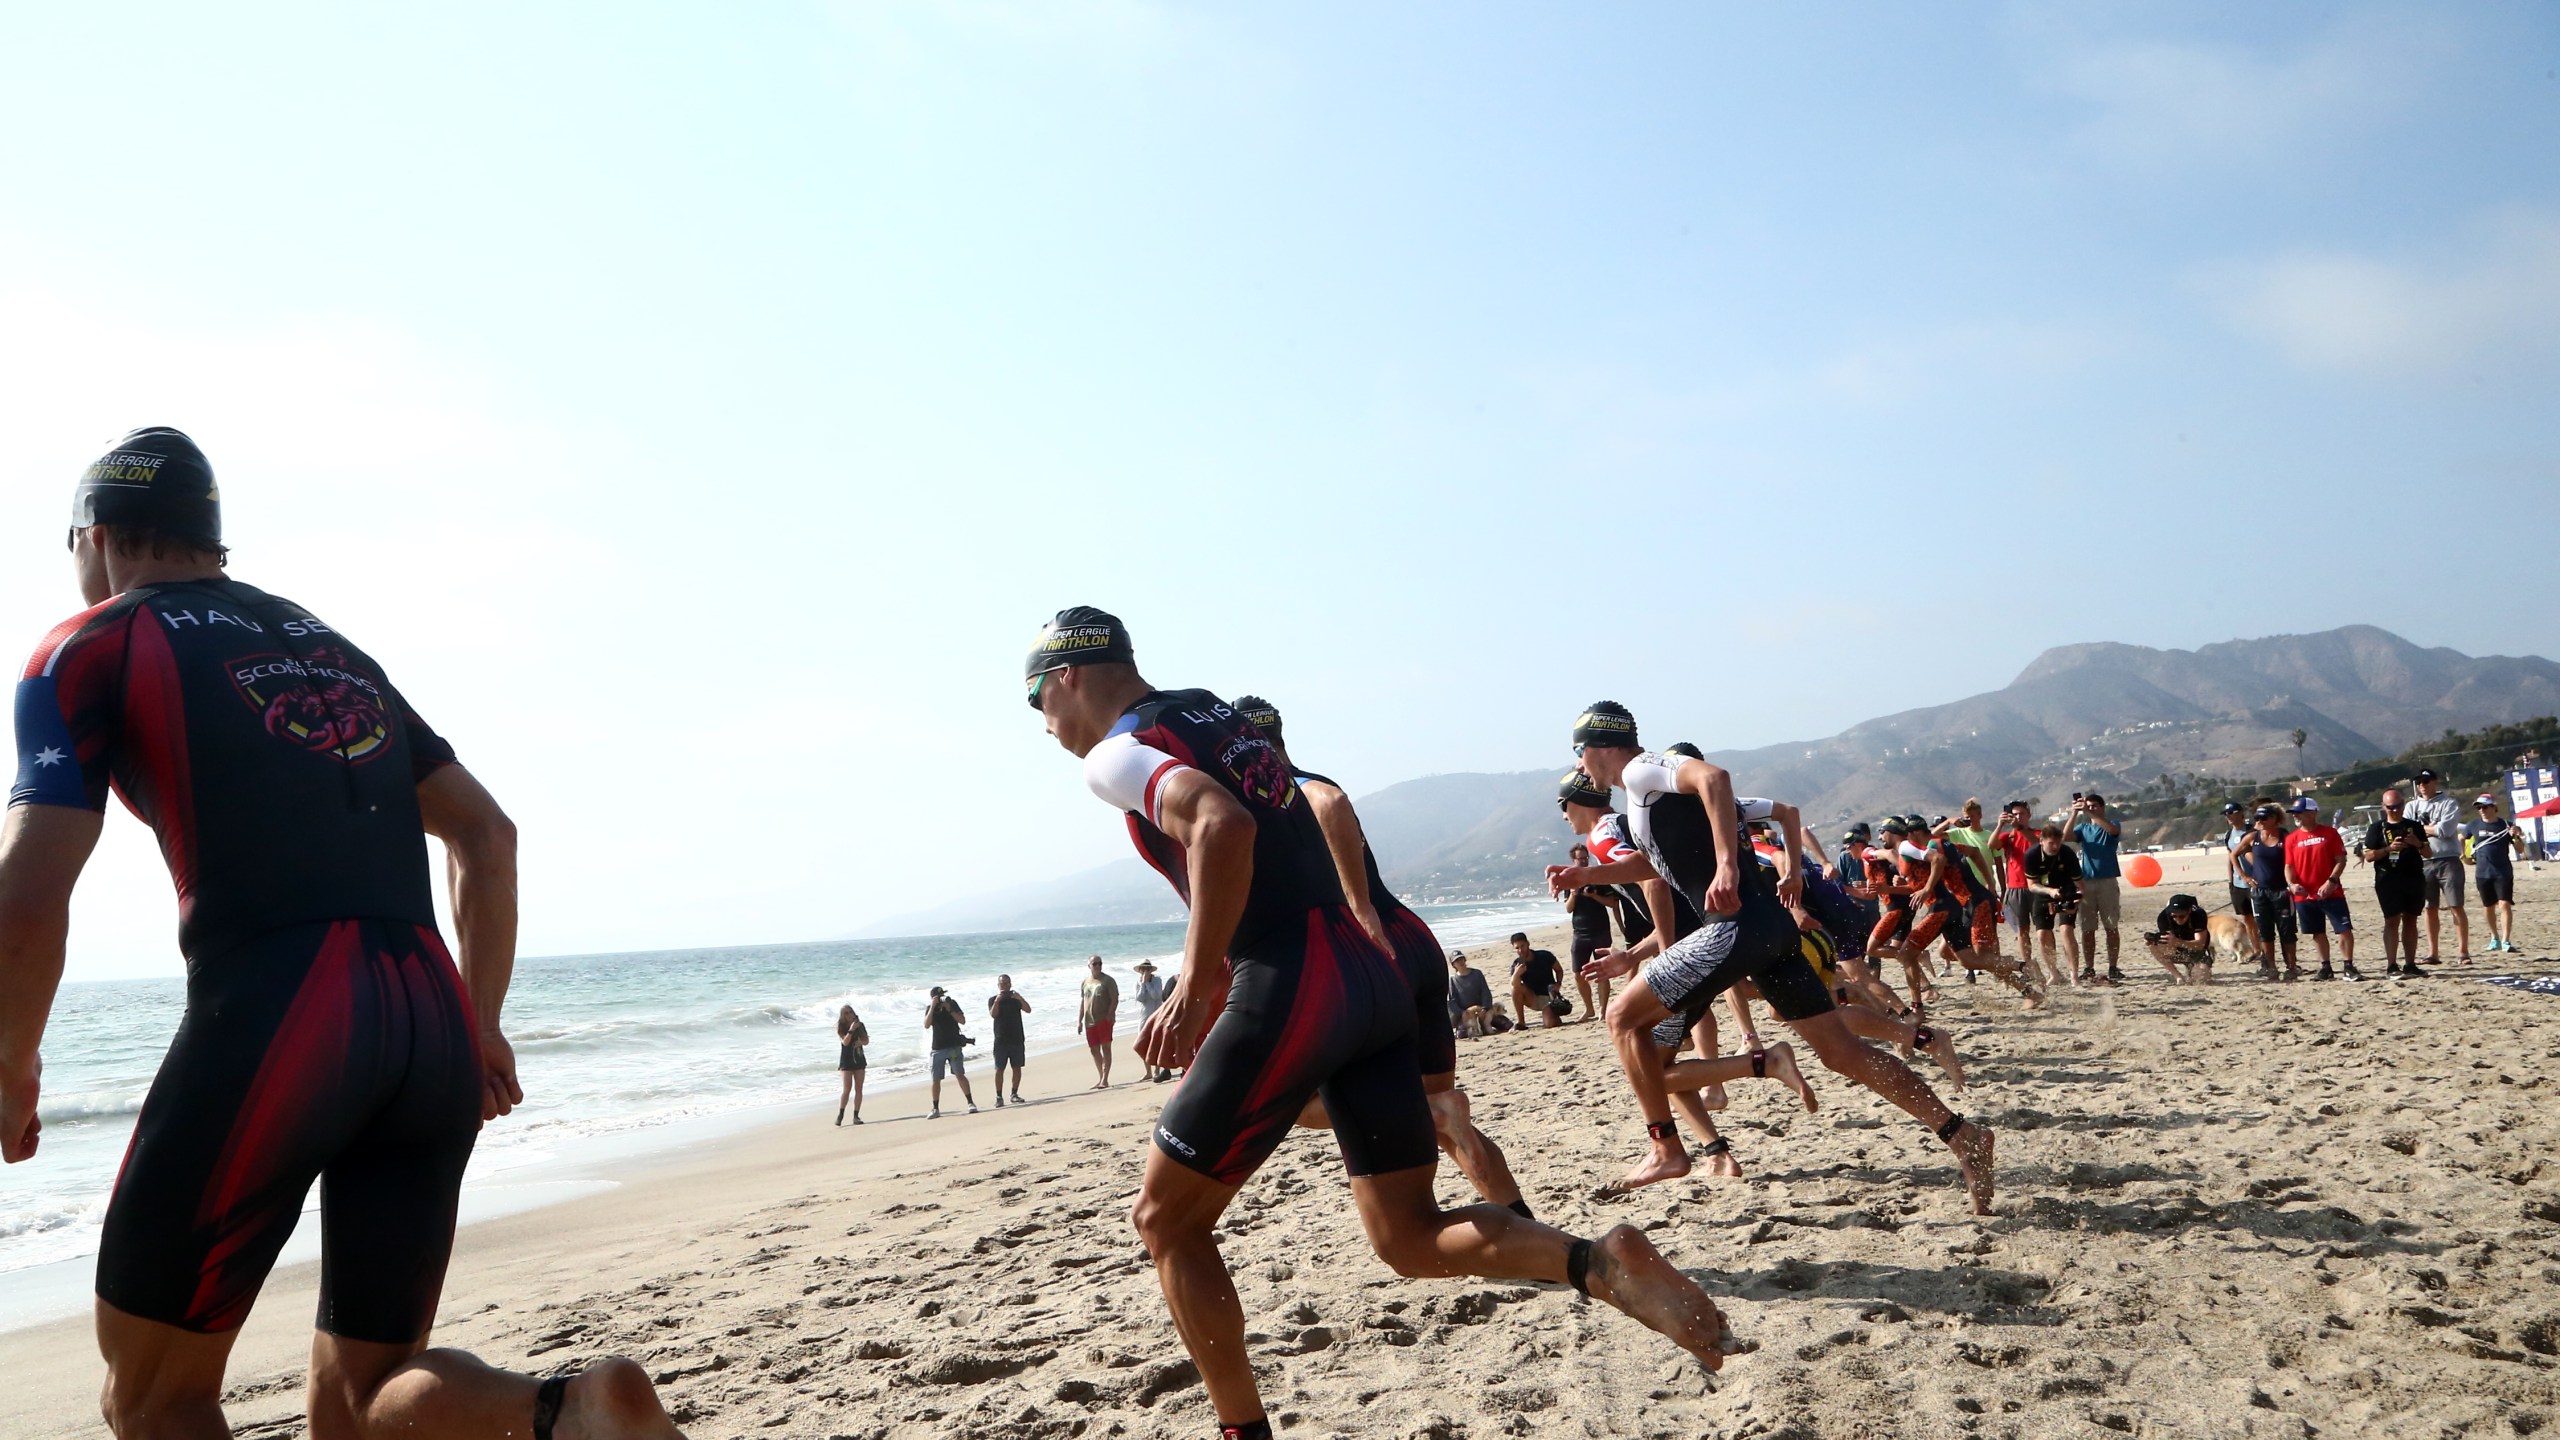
column 2250, row 1209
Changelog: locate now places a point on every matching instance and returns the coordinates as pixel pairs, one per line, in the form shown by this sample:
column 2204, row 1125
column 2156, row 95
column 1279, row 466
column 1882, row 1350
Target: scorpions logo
column 316, row 702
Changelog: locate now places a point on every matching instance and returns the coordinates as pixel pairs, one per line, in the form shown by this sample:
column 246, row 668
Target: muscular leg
column 161, row 1381
column 1715, row 1149
column 1420, row 1240
column 1852, row 1059
column 359, row 1389
column 164, row 1381
column 1453, row 1125
column 1176, row 1215
column 1892, row 1030
column 1632, row 1017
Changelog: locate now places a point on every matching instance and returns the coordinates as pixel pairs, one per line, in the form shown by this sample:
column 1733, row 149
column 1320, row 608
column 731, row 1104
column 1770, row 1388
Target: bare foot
column 1942, row 1048
column 1973, row 1145
column 1628, row 1274
column 1782, row 1068
column 613, row 1400
column 1712, row 1097
column 1723, row 1166
column 1665, row 1162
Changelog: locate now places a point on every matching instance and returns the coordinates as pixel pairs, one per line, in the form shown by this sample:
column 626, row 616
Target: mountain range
column 2096, row 716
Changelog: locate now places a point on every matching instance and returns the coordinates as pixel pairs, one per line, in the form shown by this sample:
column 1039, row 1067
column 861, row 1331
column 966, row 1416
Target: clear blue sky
column 699, row 407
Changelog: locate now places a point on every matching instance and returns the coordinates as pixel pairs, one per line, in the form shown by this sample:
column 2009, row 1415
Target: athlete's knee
column 1634, row 1010
column 141, row 1404
column 1409, row 1248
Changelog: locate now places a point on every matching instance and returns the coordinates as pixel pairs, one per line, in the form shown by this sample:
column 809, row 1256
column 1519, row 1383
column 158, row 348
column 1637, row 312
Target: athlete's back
column 271, row 756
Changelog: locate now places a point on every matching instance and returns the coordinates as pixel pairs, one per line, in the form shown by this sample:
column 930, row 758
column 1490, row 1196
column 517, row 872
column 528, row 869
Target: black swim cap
column 1686, row 750
column 1080, row 635
column 1265, row 717
column 154, row 478
column 1607, row 724
column 1576, row 789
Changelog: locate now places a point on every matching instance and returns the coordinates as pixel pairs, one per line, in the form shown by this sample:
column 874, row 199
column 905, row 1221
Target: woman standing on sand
column 851, row 1036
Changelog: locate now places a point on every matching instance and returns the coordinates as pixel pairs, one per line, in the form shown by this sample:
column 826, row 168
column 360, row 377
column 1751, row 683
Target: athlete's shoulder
column 1650, row 774
column 62, row 638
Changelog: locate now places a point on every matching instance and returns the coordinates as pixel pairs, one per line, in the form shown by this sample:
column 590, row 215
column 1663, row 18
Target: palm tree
column 2299, row 736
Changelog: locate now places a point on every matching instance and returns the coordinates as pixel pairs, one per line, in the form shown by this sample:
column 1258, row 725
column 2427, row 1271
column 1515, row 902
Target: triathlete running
column 1682, row 814
column 1311, row 1006
column 1417, row 952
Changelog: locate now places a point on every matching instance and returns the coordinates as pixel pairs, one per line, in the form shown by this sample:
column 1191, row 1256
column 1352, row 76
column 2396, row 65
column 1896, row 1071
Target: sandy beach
column 2264, row 1210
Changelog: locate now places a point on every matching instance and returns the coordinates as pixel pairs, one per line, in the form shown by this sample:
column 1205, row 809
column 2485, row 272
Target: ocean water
column 619, row 1045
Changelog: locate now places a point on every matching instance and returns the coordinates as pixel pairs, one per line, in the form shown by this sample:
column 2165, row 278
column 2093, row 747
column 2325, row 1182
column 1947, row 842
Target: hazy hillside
column 2080, row 717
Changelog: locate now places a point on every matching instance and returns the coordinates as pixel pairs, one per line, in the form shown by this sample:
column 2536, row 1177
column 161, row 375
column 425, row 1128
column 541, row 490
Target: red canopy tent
column 2548, row 809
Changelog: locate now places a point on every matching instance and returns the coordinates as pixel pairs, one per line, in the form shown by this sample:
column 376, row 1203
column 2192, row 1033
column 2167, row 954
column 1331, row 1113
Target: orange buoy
column 2142, row 871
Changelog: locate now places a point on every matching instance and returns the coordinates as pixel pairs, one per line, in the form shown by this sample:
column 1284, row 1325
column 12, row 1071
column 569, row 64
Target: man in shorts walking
column 1312, row 1005
column 327, row 1031
column 2442, row 815
column 2396, row 847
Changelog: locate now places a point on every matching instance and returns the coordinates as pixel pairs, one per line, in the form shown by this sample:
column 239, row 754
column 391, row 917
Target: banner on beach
column 2538, row 984
column 2526, row 788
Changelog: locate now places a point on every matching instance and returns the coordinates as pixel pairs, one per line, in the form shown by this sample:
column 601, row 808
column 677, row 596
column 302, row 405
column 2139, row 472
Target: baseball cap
column 2231, row 807
column 2182, row 902
column 2488, row 800
column 2267, row 812
column 2304, row 805
column 2426, row 775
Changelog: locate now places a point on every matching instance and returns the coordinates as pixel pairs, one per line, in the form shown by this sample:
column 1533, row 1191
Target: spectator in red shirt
column 2314, row 856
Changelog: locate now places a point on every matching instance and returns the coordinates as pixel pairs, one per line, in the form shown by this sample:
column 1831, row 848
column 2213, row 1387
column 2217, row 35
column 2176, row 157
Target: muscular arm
column 1216, row 834
column 1345, row 842
column 480, row 869
column 1791, row 854
column 42, row 851
column 1713, row 786
column 1633, row 870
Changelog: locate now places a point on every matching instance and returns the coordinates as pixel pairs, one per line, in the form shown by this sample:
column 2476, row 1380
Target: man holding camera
column 942, row 1019
column 2100, row 880
column 2397, row 848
